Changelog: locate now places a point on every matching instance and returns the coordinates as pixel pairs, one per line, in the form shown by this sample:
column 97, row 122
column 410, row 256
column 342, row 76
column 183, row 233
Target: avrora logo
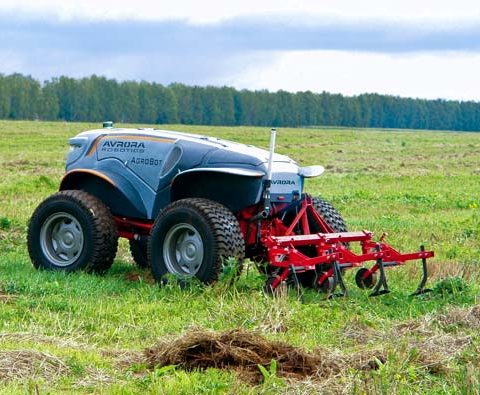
column 123, row 146
column 283, row 182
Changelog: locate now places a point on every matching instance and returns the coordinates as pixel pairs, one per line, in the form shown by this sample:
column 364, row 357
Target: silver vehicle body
column 137, row 172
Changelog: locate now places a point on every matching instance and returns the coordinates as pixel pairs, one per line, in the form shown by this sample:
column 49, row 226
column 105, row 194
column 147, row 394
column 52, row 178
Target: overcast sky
column 410, row 48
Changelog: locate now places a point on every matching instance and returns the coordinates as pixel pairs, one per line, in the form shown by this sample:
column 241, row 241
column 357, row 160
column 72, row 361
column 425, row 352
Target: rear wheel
column 329, row 214
column 72, row 230
column 192, row 237
column 138, row 249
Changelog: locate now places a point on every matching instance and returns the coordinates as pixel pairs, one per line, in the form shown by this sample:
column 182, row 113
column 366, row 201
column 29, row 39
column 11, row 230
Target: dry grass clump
column 44, row 339
column 235, row 349
column 430, row 323
column 467, row 318
column 244, row 351
column 124, row 358
column 431, row 347
column 94, row 378
column 277, row 318
column 335, row 364
column 435, row 353
column 25, row 364
column 441, row 270
column 419, row 327
column 360, row 332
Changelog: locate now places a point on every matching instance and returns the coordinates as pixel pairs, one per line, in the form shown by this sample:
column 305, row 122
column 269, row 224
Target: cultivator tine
column 334, row 281
column 421, row 287
column 381, row 288
column 298, row 287
column 338, row 280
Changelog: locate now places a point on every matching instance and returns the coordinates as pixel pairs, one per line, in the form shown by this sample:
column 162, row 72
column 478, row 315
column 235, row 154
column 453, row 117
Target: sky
column 428, row 49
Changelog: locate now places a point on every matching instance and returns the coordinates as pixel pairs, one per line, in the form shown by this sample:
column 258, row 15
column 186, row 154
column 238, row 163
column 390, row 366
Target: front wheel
column 72, row 230
column 192, row 237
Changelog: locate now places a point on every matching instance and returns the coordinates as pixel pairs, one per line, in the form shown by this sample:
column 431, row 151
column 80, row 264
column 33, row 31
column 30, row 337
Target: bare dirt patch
column 135, row 276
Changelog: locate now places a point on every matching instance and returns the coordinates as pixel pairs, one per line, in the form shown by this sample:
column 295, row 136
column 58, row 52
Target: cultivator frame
column 285, row 247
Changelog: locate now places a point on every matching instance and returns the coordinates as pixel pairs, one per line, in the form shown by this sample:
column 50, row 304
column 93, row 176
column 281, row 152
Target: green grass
column 420, row 187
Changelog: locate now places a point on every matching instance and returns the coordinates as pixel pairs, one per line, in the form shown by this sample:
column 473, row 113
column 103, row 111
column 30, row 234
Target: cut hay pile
column 235, row 349
column 27, row 364
column 244, row 351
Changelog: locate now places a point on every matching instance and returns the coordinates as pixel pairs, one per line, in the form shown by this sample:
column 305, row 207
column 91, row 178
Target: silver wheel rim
column 183, row 250
column 61, row 239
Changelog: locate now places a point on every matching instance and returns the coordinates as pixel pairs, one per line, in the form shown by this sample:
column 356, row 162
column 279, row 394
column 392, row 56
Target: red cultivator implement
column 306, row 249
column 294, row 251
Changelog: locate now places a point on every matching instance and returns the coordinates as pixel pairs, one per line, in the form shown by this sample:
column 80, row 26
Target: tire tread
column 228, row 238
column 105, row 237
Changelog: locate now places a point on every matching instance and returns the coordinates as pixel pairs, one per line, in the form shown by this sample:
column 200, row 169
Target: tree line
column 97, row 98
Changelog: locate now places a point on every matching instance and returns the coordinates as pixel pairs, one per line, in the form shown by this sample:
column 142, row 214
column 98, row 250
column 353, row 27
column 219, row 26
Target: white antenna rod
column 273, row 135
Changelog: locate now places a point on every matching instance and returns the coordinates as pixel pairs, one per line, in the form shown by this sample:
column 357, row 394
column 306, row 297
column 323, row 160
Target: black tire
column 329, row 214
column 267, row 288
column 367, row 282
column 326, row 287
column 194, row 225
column 333, row 219
column 139, row 251
column 85, row 228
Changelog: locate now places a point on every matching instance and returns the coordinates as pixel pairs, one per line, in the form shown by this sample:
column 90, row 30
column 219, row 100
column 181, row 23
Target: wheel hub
column 62, row 239
column 183, row 250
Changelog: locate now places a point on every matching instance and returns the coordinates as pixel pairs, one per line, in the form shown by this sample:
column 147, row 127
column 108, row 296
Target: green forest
column 98, row 98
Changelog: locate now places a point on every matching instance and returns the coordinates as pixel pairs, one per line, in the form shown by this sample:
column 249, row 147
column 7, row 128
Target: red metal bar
column 326, row 228
column 305, row 226
column 318, row 238
column 128, row 227
column 286, row 248
column 279, row 279
column 294, row 223
column 325, row 276
column 282, row 257
column 126, row 235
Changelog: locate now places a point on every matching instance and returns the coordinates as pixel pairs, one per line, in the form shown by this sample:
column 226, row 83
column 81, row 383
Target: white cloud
column 447, row 75
column 208, row 11
column 225, row 53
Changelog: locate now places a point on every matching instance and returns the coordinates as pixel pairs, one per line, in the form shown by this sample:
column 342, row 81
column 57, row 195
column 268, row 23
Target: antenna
column 273, row 135
column 268, row 181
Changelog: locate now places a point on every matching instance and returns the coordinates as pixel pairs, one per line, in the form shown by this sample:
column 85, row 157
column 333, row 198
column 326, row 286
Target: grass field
column 84, row 333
